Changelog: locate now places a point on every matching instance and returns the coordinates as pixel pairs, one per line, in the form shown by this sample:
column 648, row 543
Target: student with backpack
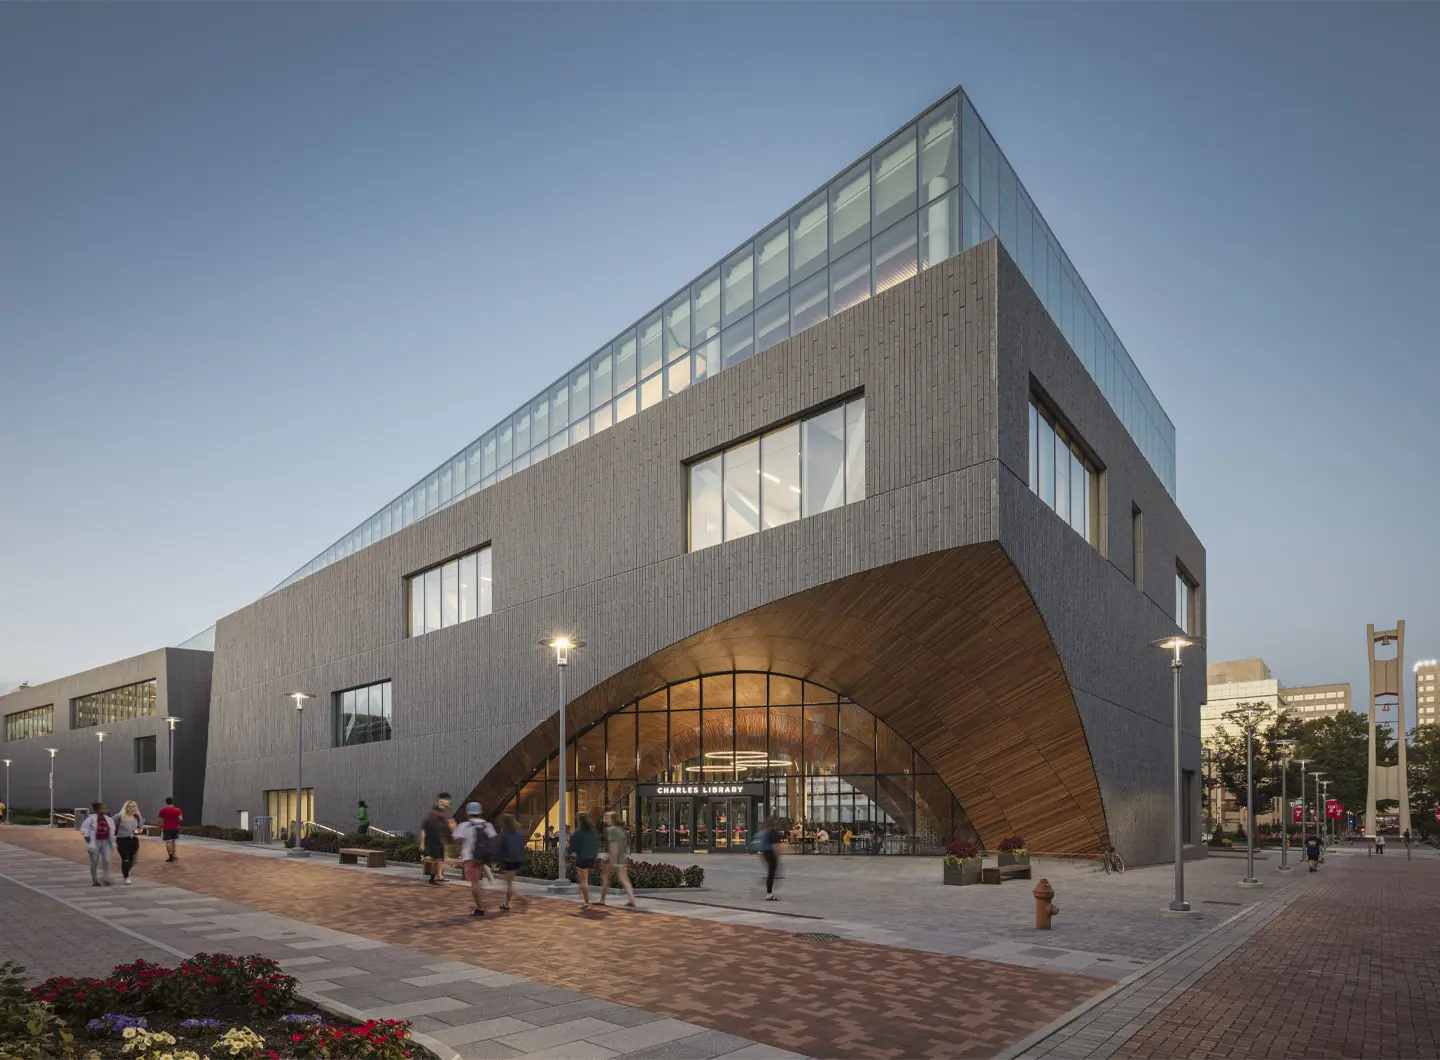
column 98, row 831
column 475, row 835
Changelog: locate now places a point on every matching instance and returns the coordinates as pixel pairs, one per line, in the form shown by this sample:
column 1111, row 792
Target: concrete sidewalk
column 55, row 922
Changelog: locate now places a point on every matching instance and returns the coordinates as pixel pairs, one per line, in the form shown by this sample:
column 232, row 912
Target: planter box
column 1014, row 859
column 963, row 874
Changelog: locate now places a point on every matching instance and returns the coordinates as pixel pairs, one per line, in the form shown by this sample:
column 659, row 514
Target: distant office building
column 1228, row 684
column 1311, row 702
column 1427, row 689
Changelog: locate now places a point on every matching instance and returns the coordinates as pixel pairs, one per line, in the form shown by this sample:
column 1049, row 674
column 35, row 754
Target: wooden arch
column 947, row 648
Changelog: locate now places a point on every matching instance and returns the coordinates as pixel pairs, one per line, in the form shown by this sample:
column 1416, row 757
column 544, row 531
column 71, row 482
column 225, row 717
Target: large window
column 118, row 704
column 802, row 468
column 144, row 754
column 25, row 724
column 363, row 715
column 1185, row 602
column 1062, row 475
column 280, row 805
column 819, row 761
column 453, row 592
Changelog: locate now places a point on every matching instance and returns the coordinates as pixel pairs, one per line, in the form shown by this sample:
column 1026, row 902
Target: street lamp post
column 1321, row 807
column 1303, row 762
column 170, row 752
column 7, row 791
column 299, row 697
column 100, row 767
column 562, row 646
column 1315, row 776
column 1178, row 907
column 1248, row 713
column 52, row 785
column 1284, row 747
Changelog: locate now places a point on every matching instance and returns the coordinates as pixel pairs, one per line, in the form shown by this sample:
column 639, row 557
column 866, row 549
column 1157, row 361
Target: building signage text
column 701, row 789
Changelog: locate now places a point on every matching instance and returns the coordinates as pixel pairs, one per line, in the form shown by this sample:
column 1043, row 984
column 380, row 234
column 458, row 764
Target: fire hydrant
column 1045, row 906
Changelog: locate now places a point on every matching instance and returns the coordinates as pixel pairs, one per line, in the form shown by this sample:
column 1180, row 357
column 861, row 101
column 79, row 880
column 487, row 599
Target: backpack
column 102, row 828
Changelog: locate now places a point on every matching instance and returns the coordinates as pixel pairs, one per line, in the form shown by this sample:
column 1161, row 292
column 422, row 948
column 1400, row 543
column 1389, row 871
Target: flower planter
column 1014, row 859
column 963, row 874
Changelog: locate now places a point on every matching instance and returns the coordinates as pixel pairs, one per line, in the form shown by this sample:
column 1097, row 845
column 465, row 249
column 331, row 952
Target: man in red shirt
column 170, row 818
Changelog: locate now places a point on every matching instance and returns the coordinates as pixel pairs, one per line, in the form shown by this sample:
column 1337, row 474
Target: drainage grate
column 817, row 936
column 1216, row 901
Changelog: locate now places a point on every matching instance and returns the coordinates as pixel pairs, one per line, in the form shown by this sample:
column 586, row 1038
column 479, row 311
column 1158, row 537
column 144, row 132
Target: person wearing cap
column 476, row 836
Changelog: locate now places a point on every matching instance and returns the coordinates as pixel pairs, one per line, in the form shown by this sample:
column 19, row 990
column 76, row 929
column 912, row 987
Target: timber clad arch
column 947, row 649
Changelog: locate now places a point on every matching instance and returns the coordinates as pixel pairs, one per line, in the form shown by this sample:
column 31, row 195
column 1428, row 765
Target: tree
column 1337, row 746
column 1422, row 759
column 1228, row 752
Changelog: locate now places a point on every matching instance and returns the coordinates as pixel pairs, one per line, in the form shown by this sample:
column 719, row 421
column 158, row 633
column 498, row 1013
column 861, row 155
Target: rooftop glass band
column 938, row 186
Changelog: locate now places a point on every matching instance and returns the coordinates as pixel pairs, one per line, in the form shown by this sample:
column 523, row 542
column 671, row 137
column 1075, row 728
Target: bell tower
column 1387, row 782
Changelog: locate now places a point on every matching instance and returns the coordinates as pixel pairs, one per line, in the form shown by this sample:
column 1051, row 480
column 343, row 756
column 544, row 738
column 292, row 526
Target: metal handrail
column 323, row 827
column 66, row 816
column 375, row 828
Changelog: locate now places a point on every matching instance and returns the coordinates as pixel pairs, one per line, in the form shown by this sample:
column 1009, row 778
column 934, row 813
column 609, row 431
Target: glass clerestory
column 788, row 747
column 937, row 187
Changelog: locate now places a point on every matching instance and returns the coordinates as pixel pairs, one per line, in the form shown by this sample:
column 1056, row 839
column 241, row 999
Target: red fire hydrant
column 1045, row 907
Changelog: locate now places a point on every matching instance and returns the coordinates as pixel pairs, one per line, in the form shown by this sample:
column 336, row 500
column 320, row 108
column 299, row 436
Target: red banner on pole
column 1297, row 818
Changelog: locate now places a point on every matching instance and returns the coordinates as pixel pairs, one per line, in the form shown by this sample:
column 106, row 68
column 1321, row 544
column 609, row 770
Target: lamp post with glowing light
column 1315, row 776
column 1175, row 645
column 100, row 766
column 1247, row 714
column 1325, row 821
column 52, row 751
column 299, row 698
column 562, row 646
column 1303, row 762
column 1284, row 747
column 170, row 752
column 7, row 791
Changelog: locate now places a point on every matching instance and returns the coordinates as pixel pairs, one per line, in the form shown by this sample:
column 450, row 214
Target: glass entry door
column 668, row 824
column 729, row 823
column 739, row 823
column 720, row 824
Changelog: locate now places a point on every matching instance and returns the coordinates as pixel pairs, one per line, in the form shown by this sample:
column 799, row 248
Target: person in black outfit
column 434, row 830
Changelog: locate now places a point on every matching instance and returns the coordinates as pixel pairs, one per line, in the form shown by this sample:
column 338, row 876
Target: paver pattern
column 828, row 999
column 1352, row 970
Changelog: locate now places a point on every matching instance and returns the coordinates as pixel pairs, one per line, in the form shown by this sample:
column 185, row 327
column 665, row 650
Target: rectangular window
column 624, row 353
column 772, row 323
column 118, row 704
column 939, row 151
column 144, row 754
column 453, row 592
column 797, row 470
column 1137, row 541
column 677, row 328
column 809, row 302
column 808, row 239
column 1184, row 602
column 772, row 262
column 894, row 252
column 739, row 285
column 27, row 724
column 850, row 280
column 652, row 346
column 280, row 804
column 705, row 307
column 850, row 210
column 1062, row 475
column 893, row 179
column 362, row 715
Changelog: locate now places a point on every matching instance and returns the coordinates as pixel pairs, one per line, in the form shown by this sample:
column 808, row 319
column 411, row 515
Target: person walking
column 1312, row 851
column 1379, row 842
column 511, row 855
column 585, row 845
column 170, row 818
column 127, row 837
column 617, row 855
column 98, row 831
column 474, row 835
column 1406, row 837
column 766, row 842
column 433, row 833
column 362, row 818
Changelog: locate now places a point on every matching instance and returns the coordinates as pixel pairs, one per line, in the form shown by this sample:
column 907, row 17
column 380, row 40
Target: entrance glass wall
column 697, row 765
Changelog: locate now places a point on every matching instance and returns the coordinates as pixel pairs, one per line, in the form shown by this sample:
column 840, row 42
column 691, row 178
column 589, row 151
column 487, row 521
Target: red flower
column 296, row 1037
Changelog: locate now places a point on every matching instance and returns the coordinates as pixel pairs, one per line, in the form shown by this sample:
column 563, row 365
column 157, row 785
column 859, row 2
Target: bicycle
column 1112, row 861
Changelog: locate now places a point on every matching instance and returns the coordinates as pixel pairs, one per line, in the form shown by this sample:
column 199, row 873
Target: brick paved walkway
column 836, row 999
column 1351, row 970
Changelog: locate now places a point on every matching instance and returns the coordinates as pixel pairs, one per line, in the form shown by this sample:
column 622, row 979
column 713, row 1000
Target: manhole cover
column 817, row 936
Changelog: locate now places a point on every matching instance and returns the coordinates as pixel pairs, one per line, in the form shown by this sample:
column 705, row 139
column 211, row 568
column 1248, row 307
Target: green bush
column 213, row 831
column 397, row 848
column 540, row 865
column 29, row 1027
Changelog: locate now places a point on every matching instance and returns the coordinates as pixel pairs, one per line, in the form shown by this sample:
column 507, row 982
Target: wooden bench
column 374, row 859
column 998, row 874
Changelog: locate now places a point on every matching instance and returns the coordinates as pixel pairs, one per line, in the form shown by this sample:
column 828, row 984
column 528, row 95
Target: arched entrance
column 695, row 765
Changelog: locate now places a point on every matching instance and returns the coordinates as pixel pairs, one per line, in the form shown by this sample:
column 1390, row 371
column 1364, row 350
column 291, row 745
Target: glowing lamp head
column 52, row 751
column 101, row 736
column 562, row 645
column 299, row 698
column 172, row 722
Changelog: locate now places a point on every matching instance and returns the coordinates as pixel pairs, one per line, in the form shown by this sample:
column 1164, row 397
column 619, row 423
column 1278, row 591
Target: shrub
column 1012, row 844
column 78, row 1000
column 373, row 1039
column 960, row 850
column 694, row 876
column 211, row 831
column 29, row 1026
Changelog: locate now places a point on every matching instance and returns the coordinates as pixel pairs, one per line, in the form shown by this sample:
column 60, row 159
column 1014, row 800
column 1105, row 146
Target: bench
column 374, row 859
column 998, row 874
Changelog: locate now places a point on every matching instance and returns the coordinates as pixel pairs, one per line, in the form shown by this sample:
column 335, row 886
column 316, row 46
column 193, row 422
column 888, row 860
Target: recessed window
column 363, row 715
column 117, row 704
column 1185, row 598
column 26, row 724
column 453, row 592
column 1062, row 475
column 800, row 469
column 1137, row 537
column 145, row 754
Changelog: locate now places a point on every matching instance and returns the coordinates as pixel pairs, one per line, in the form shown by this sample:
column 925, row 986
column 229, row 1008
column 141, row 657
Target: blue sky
column 263, row 265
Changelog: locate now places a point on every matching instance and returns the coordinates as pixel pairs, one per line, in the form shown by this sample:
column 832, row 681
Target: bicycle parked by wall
column 1112, row 861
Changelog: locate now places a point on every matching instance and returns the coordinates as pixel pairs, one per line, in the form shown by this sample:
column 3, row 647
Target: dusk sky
column 264, row 266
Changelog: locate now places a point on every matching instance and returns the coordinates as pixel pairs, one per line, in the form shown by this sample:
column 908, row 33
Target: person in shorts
column 585, row 845
column 474, row 835
column 170, row 818
column 434, row 830
column 617, row 859
column 512, row 855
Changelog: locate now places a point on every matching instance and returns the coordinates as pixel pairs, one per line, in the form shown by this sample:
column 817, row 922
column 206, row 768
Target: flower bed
column 646, row 875
column 218, row 1005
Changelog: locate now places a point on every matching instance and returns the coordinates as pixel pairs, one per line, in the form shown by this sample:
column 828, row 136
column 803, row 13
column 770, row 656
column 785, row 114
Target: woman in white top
column 127, row 837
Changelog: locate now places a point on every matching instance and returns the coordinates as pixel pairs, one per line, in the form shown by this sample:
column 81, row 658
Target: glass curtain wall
column 26, row 724
column 118, row 704
column 826, row 763
column 939, row 185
